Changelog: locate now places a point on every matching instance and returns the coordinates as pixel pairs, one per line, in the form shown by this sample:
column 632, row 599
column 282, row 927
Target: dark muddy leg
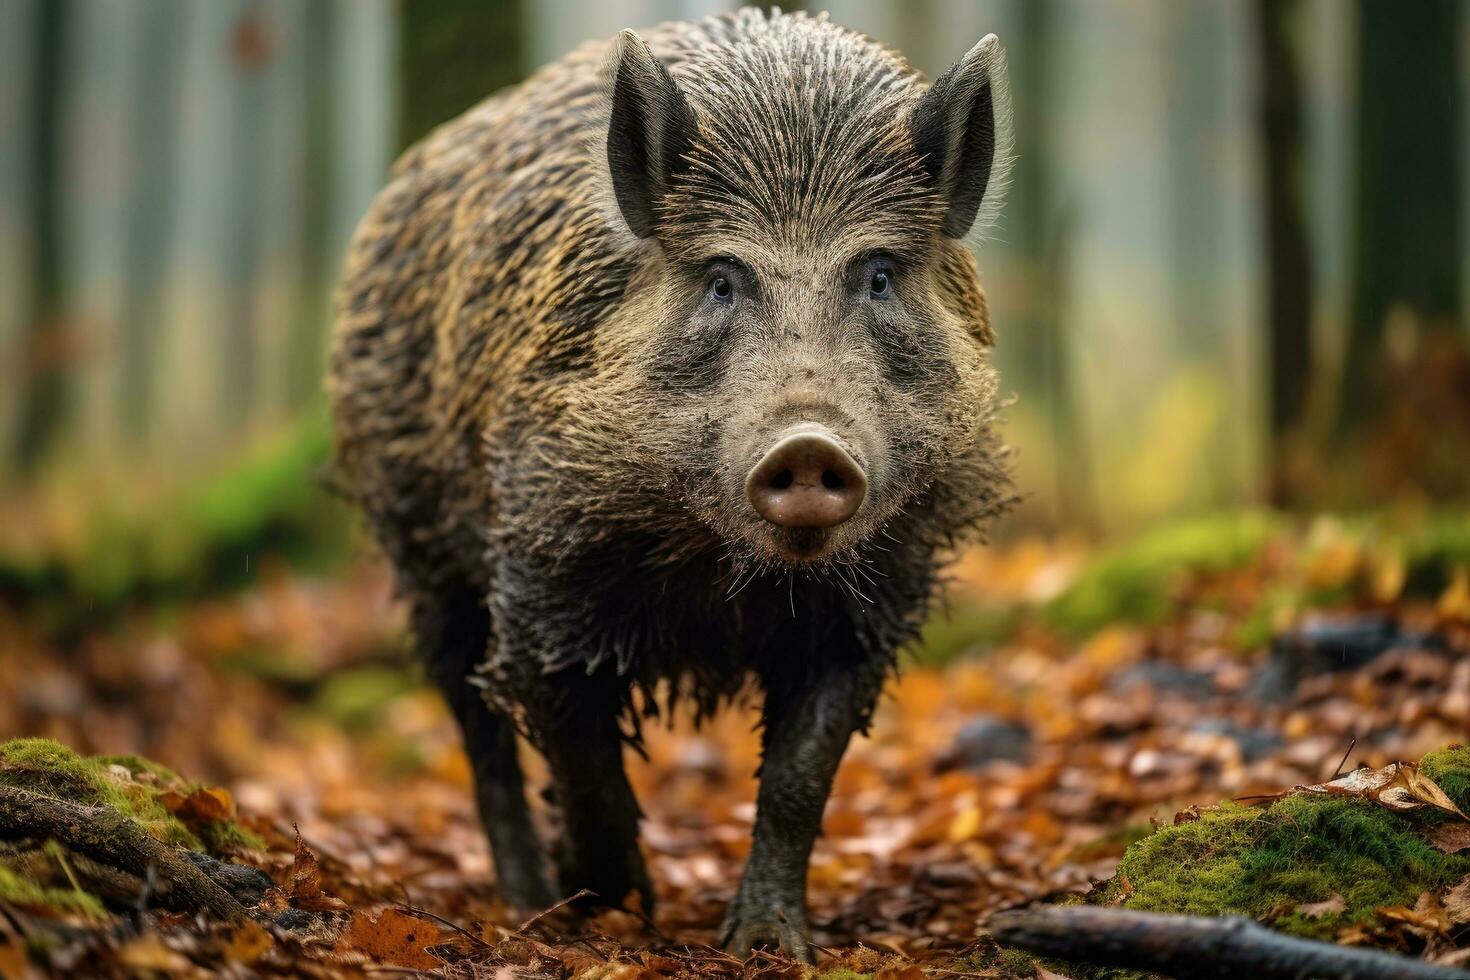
column 452, row 639
column 808, row 723
column 598, row 849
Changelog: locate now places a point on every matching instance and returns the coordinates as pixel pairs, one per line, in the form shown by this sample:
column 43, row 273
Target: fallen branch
column 1182, row 945
column 105, row 835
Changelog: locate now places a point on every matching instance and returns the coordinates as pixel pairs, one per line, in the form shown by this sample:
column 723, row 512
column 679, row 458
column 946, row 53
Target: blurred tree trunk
column 1289, row 301
column 151, row 215
column 1408, row 250
column 454, row 53
column 1044, row 227
column 47, row 387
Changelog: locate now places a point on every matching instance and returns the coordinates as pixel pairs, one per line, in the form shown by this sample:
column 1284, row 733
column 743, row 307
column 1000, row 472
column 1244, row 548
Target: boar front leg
column 598, row 849
column 810, row 715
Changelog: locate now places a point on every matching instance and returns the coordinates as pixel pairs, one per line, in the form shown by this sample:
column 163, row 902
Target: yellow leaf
column 965, row 825
column 1455, row 602
column 1388, row 575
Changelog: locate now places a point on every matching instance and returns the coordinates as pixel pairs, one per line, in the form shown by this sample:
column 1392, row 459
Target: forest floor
column 1075, row 702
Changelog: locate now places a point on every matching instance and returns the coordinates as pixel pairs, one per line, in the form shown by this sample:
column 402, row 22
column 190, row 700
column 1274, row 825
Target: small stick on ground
column 1181, row 945
column 105, row 835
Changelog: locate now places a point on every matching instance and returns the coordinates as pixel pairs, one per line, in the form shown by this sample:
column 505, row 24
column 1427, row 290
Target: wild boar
column 665, row 372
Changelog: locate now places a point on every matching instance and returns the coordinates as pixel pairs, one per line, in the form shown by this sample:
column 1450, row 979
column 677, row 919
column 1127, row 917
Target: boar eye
column 880, row 280
column 881, row 287
column 721, row 290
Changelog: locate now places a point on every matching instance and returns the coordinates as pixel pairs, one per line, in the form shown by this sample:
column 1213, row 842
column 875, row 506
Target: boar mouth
column 802, row 543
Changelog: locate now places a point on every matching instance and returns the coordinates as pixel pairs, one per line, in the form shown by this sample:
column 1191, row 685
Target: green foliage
column 269, row 502
column 203, row 537
column 355, row 699
column 966, row 630
column 454, row 53
column 843, row 973
column 17, row 889
column 1435, row 549
column 129, row 784
column 1301, row 849
column 1134, row 582
column 1111, row 843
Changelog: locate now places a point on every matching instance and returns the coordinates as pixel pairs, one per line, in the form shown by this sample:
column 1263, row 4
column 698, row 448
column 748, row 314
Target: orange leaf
column 202, row 805
column 906, row 972
column 1427, row 915
column 395, row 937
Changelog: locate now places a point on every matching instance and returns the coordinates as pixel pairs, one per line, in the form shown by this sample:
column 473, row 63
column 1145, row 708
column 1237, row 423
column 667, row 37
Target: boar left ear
column 961, row 129
column 650, row 130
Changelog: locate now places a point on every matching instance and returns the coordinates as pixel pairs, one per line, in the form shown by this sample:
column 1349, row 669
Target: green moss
column 1434, row 549
column 1133, row 583
column 1015, row 963
column 1301, row 849
column 844, row 973
column 128, row 783
column 1450, row 768
column 55, row 770
column 355, row 699
column 962, row 631
column 19, row 890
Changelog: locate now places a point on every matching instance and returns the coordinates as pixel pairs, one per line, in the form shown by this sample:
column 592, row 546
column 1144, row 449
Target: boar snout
column 806, row 480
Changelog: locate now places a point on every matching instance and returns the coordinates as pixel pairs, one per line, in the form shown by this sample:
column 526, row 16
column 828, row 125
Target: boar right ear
column 961, row 130
column 650, row 131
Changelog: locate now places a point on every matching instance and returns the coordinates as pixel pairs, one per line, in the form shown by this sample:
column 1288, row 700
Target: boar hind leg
column 598, row 849
column 810, row 715
column 452, row 636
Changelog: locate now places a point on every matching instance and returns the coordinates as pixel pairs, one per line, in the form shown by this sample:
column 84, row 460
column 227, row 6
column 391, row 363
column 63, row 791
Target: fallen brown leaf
column 147, row 955
column 1451, row 838
column 1427, row 916
column 305, row 888
column 248, row 943
column 1456, row 902
column 1398, row 786
column 1329, row 906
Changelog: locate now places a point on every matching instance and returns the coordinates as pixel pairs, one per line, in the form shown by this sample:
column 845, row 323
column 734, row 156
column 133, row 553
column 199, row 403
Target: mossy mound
column 196, row 535
column 1301, row 850
column 1374, row 555
column 1134, row 582
column 133, row 786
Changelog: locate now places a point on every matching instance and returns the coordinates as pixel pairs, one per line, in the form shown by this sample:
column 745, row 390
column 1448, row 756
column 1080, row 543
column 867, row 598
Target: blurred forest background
column 1229, row 287
column 1229, row 272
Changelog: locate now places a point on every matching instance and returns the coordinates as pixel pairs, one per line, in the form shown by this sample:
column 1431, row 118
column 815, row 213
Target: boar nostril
column 807, row 479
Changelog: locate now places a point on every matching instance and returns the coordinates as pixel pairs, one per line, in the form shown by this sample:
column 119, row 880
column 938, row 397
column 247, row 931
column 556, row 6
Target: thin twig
column 426, row 914
column 584, row 893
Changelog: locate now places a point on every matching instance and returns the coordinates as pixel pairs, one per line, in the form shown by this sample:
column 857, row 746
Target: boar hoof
column 774, row 928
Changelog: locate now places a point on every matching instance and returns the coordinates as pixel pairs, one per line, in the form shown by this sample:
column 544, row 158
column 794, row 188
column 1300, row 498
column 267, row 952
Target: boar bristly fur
column 575, row 321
